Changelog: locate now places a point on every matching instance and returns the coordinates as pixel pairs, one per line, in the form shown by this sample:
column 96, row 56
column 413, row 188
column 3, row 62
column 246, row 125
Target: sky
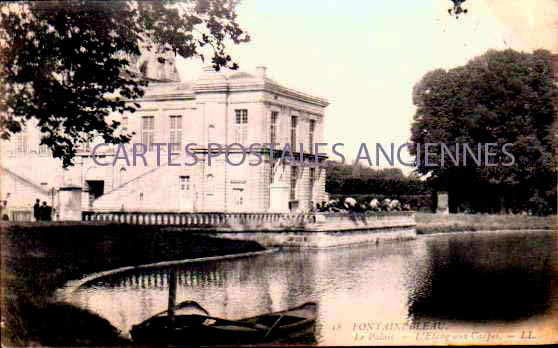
column 364, row 56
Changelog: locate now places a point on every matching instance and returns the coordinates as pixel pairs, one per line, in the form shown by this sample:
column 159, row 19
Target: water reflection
column 460, row 276
column 474, row 278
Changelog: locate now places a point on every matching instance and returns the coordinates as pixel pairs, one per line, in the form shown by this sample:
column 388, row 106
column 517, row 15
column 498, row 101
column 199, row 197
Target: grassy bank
column 38, row 259
column 428, row 223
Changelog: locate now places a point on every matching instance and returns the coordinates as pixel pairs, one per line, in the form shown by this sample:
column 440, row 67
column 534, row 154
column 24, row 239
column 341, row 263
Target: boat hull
column 204, row 330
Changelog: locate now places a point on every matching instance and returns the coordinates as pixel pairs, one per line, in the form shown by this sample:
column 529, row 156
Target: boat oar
column 273, row 326
column 172, row 295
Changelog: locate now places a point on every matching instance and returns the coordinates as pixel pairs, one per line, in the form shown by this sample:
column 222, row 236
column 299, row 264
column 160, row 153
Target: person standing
column 3, row 210
column 45, row 212
column 48, row 213
column 37, row 210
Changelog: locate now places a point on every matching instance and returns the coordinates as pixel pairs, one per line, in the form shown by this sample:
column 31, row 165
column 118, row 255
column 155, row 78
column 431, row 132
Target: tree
column 65, row 64
column 357, row 179
column 500, row 97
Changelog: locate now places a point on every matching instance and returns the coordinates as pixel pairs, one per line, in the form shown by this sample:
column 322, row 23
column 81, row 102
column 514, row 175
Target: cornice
column 292, row 93
column 257, row 85
column 285, row 106
column 228, row 86
column 167, row 97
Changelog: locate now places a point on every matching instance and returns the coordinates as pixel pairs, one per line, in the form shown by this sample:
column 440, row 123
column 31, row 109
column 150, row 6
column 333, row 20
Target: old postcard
column 321, row 172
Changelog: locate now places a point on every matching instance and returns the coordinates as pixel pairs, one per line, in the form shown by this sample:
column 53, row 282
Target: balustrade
column 249, row 219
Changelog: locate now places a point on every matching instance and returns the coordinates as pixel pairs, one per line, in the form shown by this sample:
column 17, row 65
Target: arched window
column 211, row 133
column 121, row 176
column 210, row 184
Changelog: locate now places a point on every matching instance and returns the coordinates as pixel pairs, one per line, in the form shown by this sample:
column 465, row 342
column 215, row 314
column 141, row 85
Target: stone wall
column 318, row 240
column 316, row 230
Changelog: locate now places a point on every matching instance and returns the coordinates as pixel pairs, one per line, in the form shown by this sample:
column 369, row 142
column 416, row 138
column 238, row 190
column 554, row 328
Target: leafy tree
column 357, row 179
column 500, row 97
column 65, row 64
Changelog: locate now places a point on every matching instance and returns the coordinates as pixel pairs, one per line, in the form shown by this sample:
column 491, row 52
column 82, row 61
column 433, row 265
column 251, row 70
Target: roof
column 225, row 81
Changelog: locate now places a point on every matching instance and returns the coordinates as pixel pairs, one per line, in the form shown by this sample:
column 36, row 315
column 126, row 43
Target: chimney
column 260, row 71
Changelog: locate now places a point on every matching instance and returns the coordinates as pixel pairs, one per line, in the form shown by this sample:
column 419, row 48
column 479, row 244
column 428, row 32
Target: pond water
column 464, row 279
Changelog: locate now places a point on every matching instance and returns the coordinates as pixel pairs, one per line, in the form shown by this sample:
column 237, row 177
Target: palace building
column 226, row 109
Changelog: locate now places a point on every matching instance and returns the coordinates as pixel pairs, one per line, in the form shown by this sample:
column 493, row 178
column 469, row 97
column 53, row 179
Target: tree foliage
column 65, row 63
column 358, row 179
column 366, row 183
column 500, row 97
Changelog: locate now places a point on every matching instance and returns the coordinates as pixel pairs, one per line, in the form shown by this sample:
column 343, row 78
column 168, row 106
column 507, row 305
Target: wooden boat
column 203, row 329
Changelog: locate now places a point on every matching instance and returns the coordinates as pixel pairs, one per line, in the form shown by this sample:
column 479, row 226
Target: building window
column 87, row 145
column 43, row 149
column 210, row 184
column 311, row 182
column 211, row 133
column 241, row 126
column 184, row 182
column 273, row 127
column 293, row 131
column 294, row 174
column 124, row 123
column 122, row 176
column 21, row 142
column 147, row 130
column 312, row 127
column 176, row 132
column 238, row 197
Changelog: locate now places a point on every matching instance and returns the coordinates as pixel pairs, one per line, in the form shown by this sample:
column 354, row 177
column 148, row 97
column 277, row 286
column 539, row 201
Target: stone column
column 279, row 198
column 279, row 190
column 443, row 206
column 70, row 203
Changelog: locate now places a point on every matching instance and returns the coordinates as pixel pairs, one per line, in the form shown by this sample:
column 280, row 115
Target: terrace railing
column 195, row 219
column 208, row 219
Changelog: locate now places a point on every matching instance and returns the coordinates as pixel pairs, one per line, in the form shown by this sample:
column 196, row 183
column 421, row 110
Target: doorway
column 96, row 189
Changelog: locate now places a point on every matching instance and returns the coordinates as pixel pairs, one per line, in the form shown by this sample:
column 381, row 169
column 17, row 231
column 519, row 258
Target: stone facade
column 221, row 108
